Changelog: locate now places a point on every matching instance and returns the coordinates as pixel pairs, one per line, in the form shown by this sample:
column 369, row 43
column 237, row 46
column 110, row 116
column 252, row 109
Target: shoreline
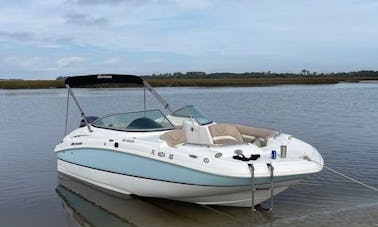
column 198, row 82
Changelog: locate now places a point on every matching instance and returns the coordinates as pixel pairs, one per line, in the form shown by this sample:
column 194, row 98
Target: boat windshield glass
column 151, row 120
column 192, row 112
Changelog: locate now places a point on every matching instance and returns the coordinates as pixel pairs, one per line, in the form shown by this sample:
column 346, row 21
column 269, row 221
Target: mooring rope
column 341, row 174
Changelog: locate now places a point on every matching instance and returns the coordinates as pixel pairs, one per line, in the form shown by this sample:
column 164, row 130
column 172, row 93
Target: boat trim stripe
column 148, row 177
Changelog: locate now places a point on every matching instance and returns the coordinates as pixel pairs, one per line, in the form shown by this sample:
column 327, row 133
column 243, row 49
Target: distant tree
column 305, row 72
column 61, row 77
column 195, row 73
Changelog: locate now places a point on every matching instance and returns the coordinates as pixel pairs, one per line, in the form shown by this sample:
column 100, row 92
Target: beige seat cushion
column 174, row 137
column 225, row 133
column 261, row 134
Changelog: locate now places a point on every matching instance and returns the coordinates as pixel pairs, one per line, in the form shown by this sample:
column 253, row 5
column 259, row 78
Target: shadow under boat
column 89, row 205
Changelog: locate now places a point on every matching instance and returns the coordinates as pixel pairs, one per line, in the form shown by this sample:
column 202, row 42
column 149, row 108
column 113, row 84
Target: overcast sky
column 46, row 39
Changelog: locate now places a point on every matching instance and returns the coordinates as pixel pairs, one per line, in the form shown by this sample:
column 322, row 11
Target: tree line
column 268, row 74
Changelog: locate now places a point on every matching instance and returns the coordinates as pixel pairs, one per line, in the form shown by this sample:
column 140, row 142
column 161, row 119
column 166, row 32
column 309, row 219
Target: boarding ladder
column 271, row 170
column 253, row 188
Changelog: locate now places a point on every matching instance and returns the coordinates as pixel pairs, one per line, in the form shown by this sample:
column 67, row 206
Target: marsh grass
column 206, row 82
column 31, row 84
column 198, row 82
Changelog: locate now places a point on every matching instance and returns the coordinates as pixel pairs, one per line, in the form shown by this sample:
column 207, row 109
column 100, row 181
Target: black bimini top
column 80, row 81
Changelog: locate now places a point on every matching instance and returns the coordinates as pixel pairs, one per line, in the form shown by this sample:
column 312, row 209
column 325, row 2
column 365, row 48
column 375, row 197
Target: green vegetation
column 302, row 74
column 213, row 82
column 31, row 84
column 217, row 79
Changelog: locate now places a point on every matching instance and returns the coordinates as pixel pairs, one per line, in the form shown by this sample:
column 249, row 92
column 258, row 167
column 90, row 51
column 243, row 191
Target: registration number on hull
column 161, row 154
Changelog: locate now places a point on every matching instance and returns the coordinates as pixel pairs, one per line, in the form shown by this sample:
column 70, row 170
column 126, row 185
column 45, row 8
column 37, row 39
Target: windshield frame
column 196, row 111
column 134, row 129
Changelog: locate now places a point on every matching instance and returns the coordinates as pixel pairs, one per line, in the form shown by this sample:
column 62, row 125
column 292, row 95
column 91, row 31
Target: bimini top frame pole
column 78, row 106
column 82, row 81
column 157, row 96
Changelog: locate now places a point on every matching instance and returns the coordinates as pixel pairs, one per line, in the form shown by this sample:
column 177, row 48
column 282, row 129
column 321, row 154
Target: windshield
column 192, row 112
column 151, row 120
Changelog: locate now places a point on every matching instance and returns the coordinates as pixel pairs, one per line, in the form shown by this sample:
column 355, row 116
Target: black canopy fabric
column 81, row 81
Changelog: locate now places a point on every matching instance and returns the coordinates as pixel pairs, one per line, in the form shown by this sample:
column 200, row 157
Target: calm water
column 340, row 120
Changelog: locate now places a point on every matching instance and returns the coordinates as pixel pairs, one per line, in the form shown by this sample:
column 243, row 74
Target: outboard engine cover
column 90, row 119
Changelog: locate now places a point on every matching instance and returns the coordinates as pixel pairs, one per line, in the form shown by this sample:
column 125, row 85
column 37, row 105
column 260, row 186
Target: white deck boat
column 182, row 155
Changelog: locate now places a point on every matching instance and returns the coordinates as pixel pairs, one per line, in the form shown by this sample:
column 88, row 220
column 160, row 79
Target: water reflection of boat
column 182, row 156
column 89, row 205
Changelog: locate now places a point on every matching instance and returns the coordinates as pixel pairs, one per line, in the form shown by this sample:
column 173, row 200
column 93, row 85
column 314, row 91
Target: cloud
column 96, row 2
column 19, row 36
column 111, row 61
column 85, row 20
column 66, row 62
column 57, row 41
column 198, row 4
column 31, row 37
column 151, row 36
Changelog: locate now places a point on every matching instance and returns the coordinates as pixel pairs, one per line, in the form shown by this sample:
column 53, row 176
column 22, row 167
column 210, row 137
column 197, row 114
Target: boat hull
column 202, row 194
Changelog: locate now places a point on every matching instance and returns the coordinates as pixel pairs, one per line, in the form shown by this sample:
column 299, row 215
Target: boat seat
column 174, row 137
column 258, row 136
column 225, row 134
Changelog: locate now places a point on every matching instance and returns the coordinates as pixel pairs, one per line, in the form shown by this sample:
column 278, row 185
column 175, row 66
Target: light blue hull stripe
column 138, row 166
